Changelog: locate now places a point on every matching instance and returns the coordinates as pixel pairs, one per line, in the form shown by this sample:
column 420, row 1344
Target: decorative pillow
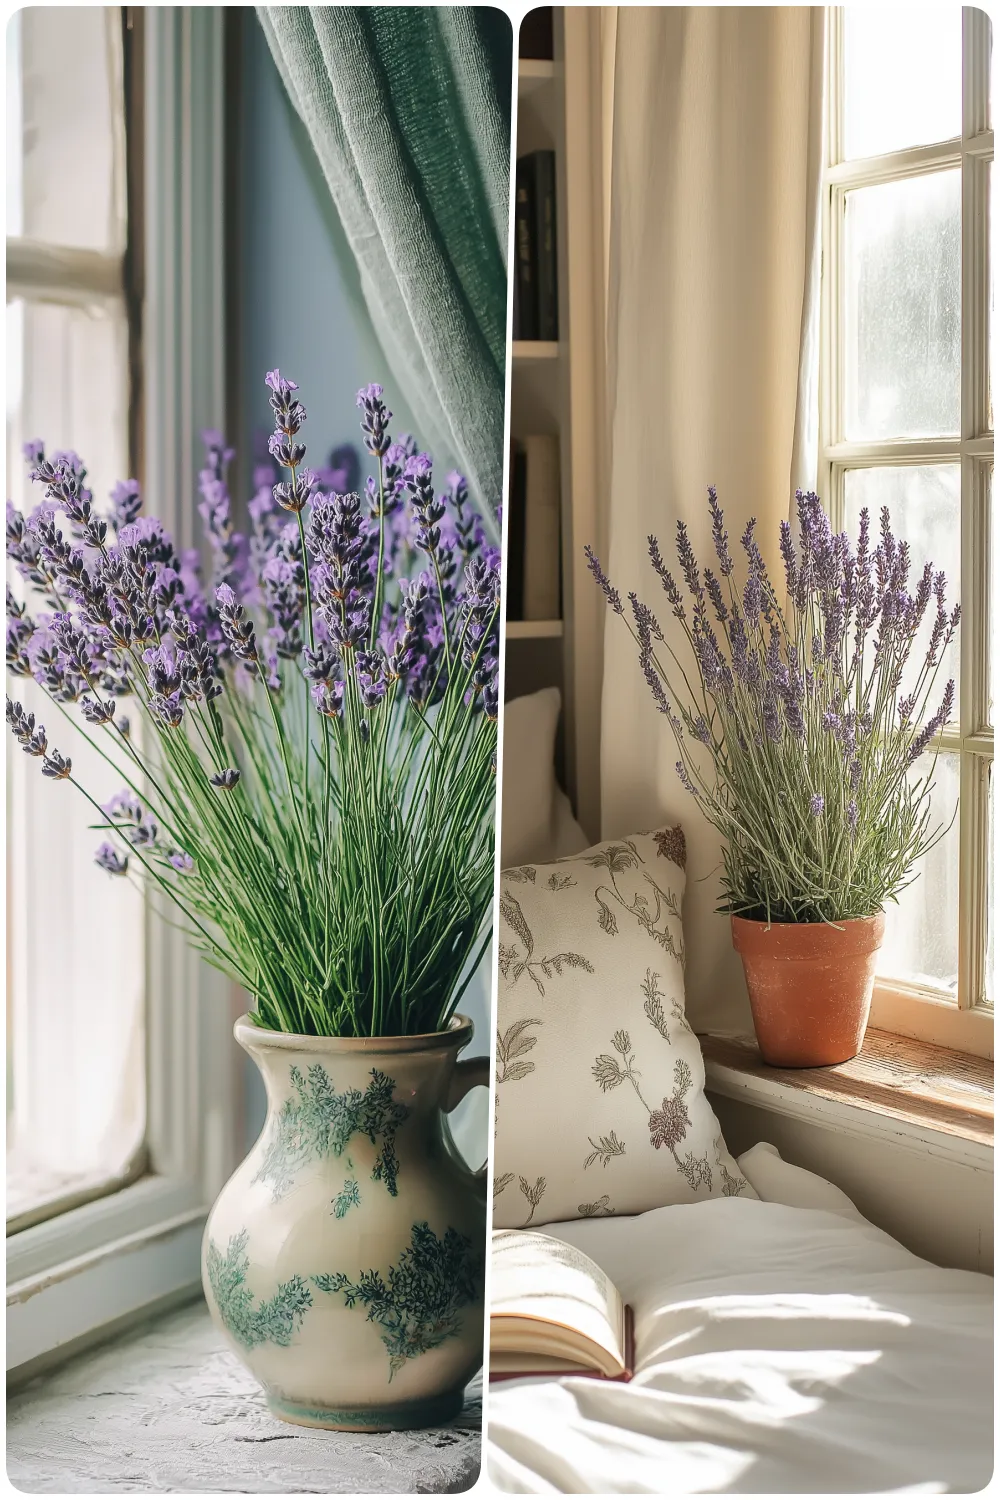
column 601, row 1106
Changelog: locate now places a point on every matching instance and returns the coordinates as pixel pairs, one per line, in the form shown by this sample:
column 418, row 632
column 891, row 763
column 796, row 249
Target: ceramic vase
column 810, row 987
column 344, row 1258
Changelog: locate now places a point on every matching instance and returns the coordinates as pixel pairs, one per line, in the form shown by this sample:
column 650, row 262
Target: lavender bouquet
column 309, row 775
column 802, row 723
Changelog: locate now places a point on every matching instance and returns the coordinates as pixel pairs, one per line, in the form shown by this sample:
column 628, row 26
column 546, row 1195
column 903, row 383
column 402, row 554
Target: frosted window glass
column 921, row 934
column 902, row 77
column 71, row 161
column 902, row 308
column 76, row 1081
column 925, row 509
column 991, row 861
column 13, row 115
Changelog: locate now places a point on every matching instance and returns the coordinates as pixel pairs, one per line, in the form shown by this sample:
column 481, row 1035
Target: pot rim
column 843, row 922
column 457, row 1033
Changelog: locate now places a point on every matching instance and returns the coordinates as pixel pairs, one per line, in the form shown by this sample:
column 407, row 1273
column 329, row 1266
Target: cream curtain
column 712, row 122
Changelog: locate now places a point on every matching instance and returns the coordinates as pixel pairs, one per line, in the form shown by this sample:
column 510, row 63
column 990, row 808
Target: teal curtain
column 408, row 110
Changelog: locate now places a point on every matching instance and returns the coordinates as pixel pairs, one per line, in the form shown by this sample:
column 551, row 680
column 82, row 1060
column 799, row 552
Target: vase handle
column 470, row 1073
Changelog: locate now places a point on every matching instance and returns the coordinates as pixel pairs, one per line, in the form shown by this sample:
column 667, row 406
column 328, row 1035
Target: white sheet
column 775, row 1180
column 779, row 1350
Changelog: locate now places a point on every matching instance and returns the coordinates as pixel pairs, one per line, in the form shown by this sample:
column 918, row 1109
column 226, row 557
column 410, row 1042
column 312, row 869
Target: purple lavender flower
column 328, row 698
column 19, row 633
column 689, row 563
column 685, row 779
column 57, row 766
column 817, row 802
column 788, row 558
column 123, row 807
column 236, row 627
column 720, row 536
column 935, row 724
column 96, row 711
column 225, row 780
column 375, row 419
column 428, row 511
column 611, row 594
column 181, row 862
column 372, row 677
column 126, row 503
column 110, row 860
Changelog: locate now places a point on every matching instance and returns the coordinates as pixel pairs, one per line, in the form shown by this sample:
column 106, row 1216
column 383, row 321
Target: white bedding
column 779, row 1350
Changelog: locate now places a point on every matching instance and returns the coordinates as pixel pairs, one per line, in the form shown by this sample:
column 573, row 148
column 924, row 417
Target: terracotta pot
column 354, row 1184
column 810, row 987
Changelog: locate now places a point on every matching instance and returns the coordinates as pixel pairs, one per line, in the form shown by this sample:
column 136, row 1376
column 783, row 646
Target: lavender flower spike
column 225, row 780
column 720, row 536
column 610, row 593
column 57, row 766
column 375, row 419
column 110, row 860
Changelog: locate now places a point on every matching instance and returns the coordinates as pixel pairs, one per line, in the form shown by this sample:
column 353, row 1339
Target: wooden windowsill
column 919, row 1091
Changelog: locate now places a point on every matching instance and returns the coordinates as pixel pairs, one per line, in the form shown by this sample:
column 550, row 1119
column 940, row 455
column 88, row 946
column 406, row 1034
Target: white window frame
column 73, row 1277
column 912, row 1009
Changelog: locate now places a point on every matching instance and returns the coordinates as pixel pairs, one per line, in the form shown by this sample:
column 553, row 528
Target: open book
column 553, row 1311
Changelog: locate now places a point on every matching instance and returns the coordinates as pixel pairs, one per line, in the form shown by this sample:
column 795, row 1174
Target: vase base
column 399, row 1416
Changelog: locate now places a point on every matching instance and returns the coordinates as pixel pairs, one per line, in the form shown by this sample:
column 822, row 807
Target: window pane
column 902, row 308
column 76, row 1112
column 14, row 125
column 991, row 855
column 921, row 932
column 902, row 77
column 64, row 154
column 989, row 311
column 925, row 510
column 991, row 603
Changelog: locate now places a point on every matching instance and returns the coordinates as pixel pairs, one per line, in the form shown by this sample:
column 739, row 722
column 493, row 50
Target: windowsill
column 168, row 1407
column 897, row 1087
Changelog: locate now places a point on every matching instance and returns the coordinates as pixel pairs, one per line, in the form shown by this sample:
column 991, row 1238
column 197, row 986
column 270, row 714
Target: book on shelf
column 540, row 594
column 516, row 494
column 525, row 299
column 536, row 300
column 553, row 1311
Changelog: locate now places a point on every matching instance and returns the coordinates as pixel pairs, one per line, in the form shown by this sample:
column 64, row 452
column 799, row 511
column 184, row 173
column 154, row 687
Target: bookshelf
column 534, row 630
column 555, row 390
column 525, row 350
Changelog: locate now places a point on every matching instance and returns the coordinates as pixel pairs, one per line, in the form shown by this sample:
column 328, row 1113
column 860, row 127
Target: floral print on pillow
column 600, row 1104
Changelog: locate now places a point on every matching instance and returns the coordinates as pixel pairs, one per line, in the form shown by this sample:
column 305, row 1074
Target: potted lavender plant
column 802, row 724
column 309, row 791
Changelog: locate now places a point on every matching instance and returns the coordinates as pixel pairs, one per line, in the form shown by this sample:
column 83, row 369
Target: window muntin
column 906, row 415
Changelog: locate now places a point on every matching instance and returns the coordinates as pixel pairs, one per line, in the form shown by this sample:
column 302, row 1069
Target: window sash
column 972, row 448
column 75, row 1276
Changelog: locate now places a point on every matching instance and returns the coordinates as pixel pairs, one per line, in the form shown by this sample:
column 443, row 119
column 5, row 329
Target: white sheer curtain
column 714, row 124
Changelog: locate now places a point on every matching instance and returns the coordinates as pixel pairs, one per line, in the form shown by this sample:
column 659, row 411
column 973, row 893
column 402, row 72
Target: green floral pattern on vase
column 419, row 1303
column 273, row 1321
column 348, row 1197
column 316, row 1122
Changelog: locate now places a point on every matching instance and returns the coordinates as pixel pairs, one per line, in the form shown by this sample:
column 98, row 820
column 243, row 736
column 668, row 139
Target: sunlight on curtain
column 715, row 162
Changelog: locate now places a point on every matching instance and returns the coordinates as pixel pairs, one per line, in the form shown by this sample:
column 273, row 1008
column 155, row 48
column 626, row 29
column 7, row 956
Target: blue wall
column 300, row 300
column 300, row 308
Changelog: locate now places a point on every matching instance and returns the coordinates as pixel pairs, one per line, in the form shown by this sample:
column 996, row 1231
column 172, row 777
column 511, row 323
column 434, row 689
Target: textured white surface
column 168, row 1409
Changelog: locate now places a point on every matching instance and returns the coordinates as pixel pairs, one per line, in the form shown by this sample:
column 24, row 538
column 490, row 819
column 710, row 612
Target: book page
column 537, row 1278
